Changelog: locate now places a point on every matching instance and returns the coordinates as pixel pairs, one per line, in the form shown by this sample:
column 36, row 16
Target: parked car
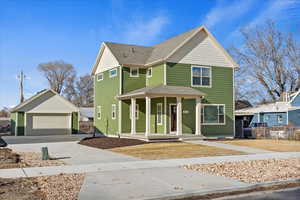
column 248, row 130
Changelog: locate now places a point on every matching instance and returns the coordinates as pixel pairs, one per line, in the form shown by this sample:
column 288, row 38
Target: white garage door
column 48, row 124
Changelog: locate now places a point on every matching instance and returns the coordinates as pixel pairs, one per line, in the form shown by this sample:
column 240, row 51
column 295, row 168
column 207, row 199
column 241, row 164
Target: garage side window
column 113, row 111
column 98, row 112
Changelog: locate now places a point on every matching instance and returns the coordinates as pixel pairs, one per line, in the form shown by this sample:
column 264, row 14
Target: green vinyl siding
column 75, row 123
column 157, row 76
column 140, row 122
column 132, row 83
column 13, row 119
column 105, row 93
column 154, row 127
column 221, row 92
column 20, row 123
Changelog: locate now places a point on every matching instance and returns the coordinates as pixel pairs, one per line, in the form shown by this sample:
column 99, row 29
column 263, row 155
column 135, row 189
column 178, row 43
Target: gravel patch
column 11, row 159
column 255, row 171
column 59, row 187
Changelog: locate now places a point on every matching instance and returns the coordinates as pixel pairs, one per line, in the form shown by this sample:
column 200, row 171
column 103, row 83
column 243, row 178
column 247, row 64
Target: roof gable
column 176, row 47
column 47, row 101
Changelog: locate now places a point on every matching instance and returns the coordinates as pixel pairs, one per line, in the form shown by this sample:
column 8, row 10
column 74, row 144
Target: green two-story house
column 183, row 86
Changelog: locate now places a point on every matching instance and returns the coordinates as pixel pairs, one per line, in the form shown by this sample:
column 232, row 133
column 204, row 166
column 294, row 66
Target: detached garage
column 46, row 113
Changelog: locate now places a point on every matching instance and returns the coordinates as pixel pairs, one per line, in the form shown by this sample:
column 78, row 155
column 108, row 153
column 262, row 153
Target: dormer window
column 201, row 76
column 134, row 72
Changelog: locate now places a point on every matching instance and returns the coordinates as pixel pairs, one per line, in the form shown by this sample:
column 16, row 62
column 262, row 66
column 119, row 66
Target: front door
column 173, row 118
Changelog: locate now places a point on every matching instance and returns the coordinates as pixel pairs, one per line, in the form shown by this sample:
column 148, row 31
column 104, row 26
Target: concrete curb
column 224, row 190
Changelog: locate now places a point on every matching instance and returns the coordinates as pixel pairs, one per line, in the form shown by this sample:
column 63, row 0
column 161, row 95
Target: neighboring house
column 182, row 86
column 282, row 113
column 46, row 113
column 86, row 114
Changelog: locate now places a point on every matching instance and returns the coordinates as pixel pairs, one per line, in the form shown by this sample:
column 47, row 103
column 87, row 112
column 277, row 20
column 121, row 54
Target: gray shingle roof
column 163, row 90
column 141, row 55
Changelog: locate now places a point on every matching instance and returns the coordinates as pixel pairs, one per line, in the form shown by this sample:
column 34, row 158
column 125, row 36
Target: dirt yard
column 109, row 142
column 268, row 144
column 256, row 171
column 60, row 187
column 11, row 159
column 166, row 150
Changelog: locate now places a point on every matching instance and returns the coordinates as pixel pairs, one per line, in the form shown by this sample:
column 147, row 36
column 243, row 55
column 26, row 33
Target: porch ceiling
column 163, row 91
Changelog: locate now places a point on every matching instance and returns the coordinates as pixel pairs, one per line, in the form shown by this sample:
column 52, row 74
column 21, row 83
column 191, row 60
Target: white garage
column 46, row 113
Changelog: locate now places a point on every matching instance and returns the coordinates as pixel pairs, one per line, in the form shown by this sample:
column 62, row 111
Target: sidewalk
column 229, row 146
column 141, row 164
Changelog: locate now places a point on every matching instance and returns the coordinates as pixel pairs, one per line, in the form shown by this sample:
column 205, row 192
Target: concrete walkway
column 140, row 164
column 151, row 184
column 229, row 146
column 73, row 153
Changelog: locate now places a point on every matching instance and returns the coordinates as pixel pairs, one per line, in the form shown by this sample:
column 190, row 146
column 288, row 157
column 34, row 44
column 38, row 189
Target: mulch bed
column 109, row 142
column 9, row 159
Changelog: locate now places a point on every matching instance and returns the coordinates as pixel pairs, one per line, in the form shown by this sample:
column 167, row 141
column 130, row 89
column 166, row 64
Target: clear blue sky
column 33, row 31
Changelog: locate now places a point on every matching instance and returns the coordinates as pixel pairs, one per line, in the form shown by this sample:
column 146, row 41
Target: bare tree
column 57, row 73
column 270, row 62
column 80, row 91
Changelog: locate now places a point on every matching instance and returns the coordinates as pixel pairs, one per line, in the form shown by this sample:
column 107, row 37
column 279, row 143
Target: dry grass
column 268, row 144
column 166, row 150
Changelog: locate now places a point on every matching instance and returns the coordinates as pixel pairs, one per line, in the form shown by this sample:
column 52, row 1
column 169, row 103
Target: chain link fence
column 278, row 132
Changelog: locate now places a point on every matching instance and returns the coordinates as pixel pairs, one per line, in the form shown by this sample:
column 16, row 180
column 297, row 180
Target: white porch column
column 133, row 120
column 148, row 115
column 198, row 116
column 179, row 116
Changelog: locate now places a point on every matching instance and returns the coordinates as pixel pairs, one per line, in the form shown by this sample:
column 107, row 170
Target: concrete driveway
column 73, row 153
column 42, row 139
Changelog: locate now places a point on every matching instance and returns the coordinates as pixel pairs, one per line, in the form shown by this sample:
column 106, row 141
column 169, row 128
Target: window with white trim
column 113, row 111
column 112, row 73
column 98, row 112
column 134, row 72
column 213, row 114
column 136, row 111
column 100, row 77
column 279, row 118
column 149, row 72
column 159, row 113
column 201, row 76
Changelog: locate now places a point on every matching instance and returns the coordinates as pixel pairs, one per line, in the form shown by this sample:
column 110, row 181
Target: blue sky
column 34, row 31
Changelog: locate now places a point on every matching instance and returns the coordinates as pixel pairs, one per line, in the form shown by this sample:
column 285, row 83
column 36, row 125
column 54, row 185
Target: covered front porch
column 162, row 112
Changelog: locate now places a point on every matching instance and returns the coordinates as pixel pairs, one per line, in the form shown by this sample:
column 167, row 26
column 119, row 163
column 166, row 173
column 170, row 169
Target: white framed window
column 100, row 77
column 266, row 118
column 113, row 111
column 159, row 113
column 279, row 118
column 213, row 114
column 98, row 112
column 149, row 72
column 201, row 76
column 113, row 73
column 136, row 111
column 134, row 72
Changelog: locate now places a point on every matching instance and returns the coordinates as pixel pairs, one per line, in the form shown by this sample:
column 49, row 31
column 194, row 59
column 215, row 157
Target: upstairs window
column 213, row 114
column 201, row 76
column 113, row 73
column 134, row 72
column 100, row 77
column 149, row 72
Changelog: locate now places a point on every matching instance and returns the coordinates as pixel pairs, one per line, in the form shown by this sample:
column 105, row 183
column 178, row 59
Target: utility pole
column 21, row 78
